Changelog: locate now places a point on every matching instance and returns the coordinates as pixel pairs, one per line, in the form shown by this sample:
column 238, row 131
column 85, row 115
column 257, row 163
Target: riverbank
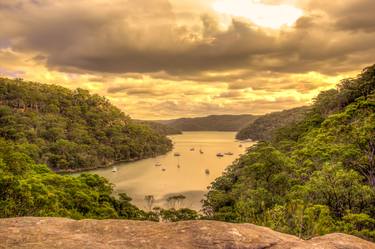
column 109, row 165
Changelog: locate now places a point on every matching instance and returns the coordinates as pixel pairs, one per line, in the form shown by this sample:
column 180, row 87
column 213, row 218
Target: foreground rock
column 65, row 233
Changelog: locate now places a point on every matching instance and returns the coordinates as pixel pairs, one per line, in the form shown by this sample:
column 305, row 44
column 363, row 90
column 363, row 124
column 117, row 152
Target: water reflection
column 188, row 174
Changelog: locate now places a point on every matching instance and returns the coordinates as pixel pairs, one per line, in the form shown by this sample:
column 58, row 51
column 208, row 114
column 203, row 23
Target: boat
column 178, row 166
column 157, row 164
column 240, row 145
column 219, row 154
column 114, row 169
column 201, row 151
column 192, row 149
column 207, row 171
column 177, row 154
column 229, row 153
column 163, row 169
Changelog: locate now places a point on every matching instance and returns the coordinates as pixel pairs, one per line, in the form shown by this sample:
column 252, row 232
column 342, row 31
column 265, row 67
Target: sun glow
column 265, row 15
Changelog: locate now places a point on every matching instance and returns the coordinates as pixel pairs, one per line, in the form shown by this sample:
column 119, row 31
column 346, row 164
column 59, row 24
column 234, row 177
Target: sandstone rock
column 28, row 232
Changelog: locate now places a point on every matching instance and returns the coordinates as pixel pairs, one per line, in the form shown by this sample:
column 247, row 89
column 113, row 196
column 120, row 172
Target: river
column 188, row 174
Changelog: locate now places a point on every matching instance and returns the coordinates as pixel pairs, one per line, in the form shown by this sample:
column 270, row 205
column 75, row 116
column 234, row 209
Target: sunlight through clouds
column 174, row 58
column 265, row 15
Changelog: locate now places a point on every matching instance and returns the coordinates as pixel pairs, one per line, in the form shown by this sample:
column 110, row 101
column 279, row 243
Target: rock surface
column 28, row 232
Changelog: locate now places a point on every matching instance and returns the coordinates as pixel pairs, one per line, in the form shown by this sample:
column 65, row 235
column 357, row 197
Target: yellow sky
column 158, row 59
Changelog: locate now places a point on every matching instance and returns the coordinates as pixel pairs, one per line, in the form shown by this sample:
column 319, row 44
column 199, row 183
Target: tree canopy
column 72, row 130
column 313, row 176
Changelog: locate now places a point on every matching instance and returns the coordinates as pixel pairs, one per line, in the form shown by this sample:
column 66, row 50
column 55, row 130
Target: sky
column 161, row 59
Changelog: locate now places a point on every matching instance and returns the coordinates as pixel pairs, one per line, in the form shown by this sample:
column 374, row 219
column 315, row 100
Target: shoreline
column 72, row 171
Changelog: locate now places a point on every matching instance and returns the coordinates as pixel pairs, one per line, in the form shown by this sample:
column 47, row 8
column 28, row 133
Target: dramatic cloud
column 214, row 56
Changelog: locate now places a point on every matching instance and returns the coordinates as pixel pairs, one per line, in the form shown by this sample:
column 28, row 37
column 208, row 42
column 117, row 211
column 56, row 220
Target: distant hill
column 160, row 128
column 263, row 127
column 211, row 123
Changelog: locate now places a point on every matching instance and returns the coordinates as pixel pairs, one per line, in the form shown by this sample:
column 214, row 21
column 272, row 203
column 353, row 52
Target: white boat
column 114, row 169
column 157, row 164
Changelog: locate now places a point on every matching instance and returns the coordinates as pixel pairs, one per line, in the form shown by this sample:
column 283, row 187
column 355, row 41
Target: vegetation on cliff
column 72, row 130
column 312, row 177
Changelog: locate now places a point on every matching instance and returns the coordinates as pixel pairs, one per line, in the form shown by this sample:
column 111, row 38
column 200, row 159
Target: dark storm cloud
column 144, row 37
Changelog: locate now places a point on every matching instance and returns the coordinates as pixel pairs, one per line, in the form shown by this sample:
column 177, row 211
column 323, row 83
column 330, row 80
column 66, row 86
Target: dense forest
column 72, row 130
column 264, row 126
column 314, row 176
column 31, row 189
column 211, row 123
column 47, row 128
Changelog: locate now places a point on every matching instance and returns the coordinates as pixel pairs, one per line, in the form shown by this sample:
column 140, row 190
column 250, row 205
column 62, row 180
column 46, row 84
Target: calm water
column 142, row 178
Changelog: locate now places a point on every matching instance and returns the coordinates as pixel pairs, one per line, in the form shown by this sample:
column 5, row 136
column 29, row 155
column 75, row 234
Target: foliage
column 30, row 189
column 312, row 177
column 72, row 130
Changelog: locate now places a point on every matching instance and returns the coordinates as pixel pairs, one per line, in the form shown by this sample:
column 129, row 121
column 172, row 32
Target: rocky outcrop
column 63, row 233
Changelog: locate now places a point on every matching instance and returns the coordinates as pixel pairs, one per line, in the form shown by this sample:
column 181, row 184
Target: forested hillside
column 211, row 123
column 72, row 130
column 160, row 128
column 315, row 176
column 264, row 126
